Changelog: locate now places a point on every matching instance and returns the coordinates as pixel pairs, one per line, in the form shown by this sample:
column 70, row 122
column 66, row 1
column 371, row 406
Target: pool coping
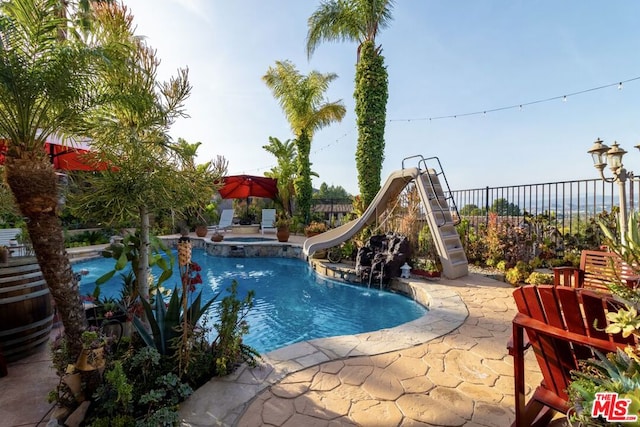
column 223, row 400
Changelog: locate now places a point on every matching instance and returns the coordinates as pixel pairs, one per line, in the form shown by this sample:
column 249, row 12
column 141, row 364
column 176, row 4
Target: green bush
column 518, row 274
column 537, row 278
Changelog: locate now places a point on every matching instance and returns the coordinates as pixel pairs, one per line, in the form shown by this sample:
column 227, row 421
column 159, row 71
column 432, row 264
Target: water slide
column 392, row 187
column 437, row 211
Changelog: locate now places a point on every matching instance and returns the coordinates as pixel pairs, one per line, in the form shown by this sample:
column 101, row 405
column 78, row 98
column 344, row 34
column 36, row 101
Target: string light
column 519, row 106
column 319, row 149
column 484, row 112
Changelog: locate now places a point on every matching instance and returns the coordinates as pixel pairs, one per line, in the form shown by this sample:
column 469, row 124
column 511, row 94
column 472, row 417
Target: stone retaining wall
column 244, row 250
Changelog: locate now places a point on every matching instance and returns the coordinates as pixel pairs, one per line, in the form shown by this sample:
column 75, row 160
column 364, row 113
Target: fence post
column 486, row 206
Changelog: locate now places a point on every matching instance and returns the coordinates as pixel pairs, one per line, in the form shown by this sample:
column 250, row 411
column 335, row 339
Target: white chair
column 226, row 221
column 268, row 218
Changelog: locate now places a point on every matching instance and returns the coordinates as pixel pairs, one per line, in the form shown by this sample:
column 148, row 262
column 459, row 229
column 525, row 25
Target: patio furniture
column 563, row 324
column 597, row 269
column 226, row 221
column 268, row 219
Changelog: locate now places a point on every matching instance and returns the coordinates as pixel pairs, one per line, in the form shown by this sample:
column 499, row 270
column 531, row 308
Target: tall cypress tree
column 371, row 111
column 359, row 21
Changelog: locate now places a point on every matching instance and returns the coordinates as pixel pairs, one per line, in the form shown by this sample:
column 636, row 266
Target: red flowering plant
column 190, row 276
column 173, row 325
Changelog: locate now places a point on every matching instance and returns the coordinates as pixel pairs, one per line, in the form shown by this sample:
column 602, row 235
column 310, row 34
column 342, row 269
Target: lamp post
column 601, row 155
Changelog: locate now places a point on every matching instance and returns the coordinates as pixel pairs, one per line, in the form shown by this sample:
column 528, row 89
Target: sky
column 444, row 59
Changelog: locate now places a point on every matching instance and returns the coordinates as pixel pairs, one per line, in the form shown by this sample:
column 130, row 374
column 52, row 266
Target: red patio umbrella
column 245, row 186
column 70, row 156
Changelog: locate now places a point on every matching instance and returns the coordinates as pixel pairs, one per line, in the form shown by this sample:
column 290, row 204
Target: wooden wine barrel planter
column 26, row 310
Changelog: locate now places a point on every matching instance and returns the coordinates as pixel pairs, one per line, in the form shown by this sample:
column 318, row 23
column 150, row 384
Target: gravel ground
column 486, row 271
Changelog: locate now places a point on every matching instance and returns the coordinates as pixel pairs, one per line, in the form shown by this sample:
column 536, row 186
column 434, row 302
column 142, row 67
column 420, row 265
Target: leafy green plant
column 165, row 320
column 537, row 278
column 426, row 264
column 128, row 253
column 518, row 274
column 617, row 372
column 370, row 96
column 315, row 227
column 139, row 390
column 227, row 348
column 282, row 220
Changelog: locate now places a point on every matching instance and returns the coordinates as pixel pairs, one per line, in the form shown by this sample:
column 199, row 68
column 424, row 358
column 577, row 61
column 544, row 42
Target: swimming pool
column 292, row 303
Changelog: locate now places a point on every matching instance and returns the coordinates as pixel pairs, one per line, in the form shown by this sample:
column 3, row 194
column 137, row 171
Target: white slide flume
column 394, row 184
column 450, row 250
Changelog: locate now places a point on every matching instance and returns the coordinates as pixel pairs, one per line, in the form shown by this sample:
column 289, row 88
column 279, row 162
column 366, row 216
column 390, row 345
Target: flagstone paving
column 449, row 368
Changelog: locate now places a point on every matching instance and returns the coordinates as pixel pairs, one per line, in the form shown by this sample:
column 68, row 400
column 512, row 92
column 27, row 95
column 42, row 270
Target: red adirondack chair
column 563, row 324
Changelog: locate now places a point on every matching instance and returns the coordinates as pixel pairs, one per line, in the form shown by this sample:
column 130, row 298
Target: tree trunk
column 303, row 187
column 143, row 250
column 35, row 187
column 370, row 95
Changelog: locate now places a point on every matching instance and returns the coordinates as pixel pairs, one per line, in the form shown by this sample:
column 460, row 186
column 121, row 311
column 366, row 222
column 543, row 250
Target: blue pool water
column 292, row 303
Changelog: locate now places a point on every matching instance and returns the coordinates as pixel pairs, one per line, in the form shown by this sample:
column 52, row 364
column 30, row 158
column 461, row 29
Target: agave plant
column 617, row 372
column 628, row 249
column 165, row 324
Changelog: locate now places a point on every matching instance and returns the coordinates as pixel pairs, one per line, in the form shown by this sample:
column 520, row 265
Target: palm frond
column 347, row 20
column 334, row 20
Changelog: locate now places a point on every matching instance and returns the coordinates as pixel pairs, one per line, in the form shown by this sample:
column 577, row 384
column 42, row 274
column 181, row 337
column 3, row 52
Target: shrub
column 518, row 274
column 315, row 228
column 227, row 348
column 537, row 278
column 140, row 387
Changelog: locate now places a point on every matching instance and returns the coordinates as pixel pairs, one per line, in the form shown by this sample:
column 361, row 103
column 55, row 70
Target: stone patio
column 449, row 368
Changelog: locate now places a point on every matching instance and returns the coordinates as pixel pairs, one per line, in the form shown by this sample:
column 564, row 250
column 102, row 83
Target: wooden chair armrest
column 565, row 268
column 524, row 321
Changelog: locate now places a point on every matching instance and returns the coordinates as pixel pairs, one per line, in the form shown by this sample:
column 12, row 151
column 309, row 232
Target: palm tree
column 151, row 172
column 285, row 171
column 46, row 83
column 302, row 100
column 359, row 21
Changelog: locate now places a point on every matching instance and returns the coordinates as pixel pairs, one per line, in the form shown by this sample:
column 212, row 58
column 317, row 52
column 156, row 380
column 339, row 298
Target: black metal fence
column 567, row 206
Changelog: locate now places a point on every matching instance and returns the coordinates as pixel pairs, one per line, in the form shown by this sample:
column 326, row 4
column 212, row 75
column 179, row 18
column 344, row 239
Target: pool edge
column 231, row 395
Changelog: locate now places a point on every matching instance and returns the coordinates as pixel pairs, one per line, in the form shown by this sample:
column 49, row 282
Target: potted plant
column 426, row 268
column 282, row 224
column 314, row 228
column 92, row 356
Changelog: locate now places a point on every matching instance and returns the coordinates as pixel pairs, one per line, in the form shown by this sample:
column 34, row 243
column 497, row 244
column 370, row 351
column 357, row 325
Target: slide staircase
column 442, row 217
column 440, row 211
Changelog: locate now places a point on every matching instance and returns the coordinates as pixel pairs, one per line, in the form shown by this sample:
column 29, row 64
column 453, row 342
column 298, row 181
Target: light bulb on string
column 564, row 98
column 620, row 86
